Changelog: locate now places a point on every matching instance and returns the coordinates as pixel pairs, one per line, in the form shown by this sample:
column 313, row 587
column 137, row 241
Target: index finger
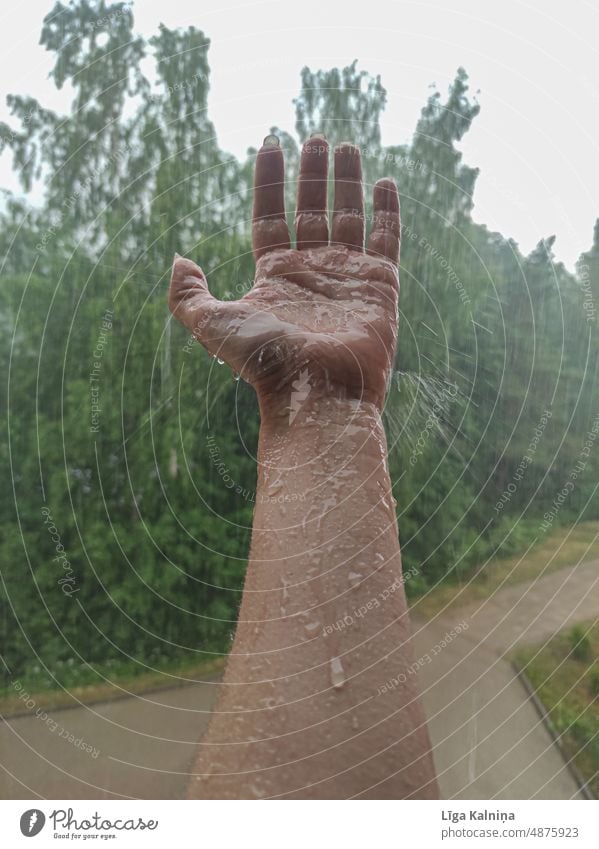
column 269, row 227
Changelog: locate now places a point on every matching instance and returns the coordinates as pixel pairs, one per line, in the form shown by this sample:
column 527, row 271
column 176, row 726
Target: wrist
column 307, row 409
column 326, row 464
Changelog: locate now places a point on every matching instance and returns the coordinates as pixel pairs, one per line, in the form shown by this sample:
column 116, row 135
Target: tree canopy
column 130, row 458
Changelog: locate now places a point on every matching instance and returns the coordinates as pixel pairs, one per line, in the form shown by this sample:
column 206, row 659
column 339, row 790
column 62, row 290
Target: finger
column 348, row 215
column 189, row 299
column 211, row 321
column 311, row 224
column 269, row 228
column 386, row 229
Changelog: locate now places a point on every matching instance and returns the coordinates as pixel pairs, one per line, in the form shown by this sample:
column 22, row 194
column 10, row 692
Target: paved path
column 489, row 741
column 146, row 745
column 488, row 738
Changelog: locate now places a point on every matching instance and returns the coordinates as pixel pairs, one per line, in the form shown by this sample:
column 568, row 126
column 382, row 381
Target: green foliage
column 566, row 680
column 593, row 679
column 580, row 643
column 344, row 104
column 155, row 535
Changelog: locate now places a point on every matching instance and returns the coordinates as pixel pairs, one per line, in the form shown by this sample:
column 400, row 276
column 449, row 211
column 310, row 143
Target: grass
column 565, row 675
column 120, row 684
column 562, row 547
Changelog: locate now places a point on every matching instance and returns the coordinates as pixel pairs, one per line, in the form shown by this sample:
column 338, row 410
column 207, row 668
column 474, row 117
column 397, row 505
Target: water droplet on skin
column 257, row 792
column 337, row 674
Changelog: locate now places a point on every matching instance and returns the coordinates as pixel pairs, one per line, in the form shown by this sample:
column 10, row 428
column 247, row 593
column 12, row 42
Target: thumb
column 211, row 321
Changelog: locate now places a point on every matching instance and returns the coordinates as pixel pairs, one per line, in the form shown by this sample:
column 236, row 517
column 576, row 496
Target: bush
column 580, row 643
column 593, row 679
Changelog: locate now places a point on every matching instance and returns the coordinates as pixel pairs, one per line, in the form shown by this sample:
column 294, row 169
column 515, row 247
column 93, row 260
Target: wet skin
column 320, row 698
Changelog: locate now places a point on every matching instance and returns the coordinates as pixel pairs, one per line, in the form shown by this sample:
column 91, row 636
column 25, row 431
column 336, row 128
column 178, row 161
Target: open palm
column 326, row 311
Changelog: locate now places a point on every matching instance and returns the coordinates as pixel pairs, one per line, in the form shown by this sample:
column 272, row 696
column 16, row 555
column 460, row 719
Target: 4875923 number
column 546, row 831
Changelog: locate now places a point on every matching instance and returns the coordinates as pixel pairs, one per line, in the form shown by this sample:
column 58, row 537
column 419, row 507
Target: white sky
column 536, row 140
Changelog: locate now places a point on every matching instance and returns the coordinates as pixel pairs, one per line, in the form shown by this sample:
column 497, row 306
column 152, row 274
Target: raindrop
column 258, row 793
column 275, row 487
column 337, row 674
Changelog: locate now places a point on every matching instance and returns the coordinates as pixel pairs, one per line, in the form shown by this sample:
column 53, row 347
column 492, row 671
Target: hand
column 326, row 313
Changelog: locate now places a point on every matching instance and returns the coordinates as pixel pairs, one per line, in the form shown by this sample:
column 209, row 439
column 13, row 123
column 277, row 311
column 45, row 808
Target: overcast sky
column 536, row 64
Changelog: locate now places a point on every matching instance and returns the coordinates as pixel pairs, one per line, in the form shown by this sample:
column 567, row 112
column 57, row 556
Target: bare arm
column 318, row 699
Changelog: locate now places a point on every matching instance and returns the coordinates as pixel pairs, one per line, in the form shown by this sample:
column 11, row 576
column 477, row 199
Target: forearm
column 323, row 625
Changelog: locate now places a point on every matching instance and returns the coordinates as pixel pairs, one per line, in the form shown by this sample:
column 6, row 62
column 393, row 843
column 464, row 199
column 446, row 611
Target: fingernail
column 271, row 141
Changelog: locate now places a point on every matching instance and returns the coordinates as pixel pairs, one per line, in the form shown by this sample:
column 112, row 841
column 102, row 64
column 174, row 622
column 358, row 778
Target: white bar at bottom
column 300, row 824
